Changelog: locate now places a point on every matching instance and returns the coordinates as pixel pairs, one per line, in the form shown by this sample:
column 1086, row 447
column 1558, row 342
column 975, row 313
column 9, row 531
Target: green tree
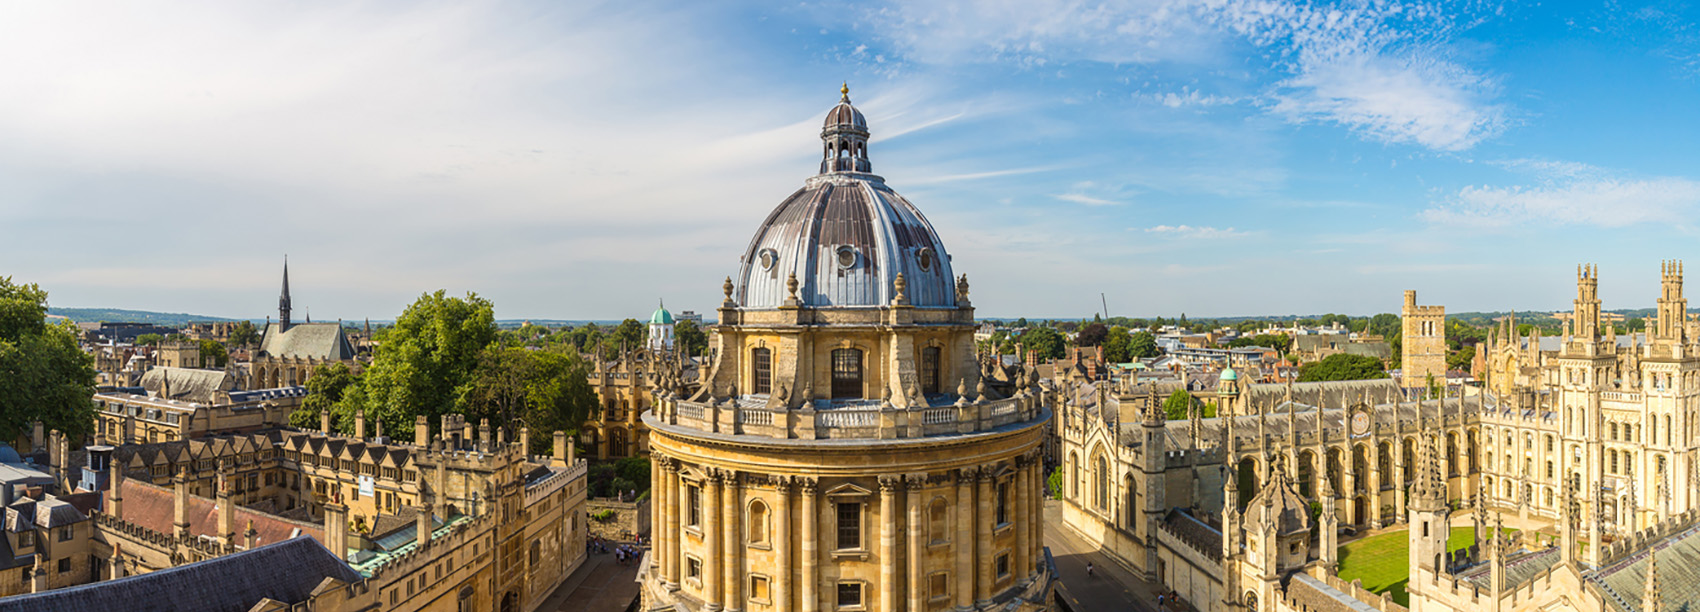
column 325, row 388
column 543, row 390
column 244, row 334
column 1176, row 407
column 1093, row 334
column 1461, row 358
column 691, row 338
column 213, row 354
column 1143, row 345
column 44, row 375
column 1386, row 325
column 1342, row 366
column 426, row 363
column 1116, row 346
column 630, row 334
column 1021, row 322
column 148, row 340
column 1045, row 342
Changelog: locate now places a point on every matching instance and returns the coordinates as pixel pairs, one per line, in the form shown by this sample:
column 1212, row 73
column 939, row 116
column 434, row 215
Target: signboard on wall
column 365, row 486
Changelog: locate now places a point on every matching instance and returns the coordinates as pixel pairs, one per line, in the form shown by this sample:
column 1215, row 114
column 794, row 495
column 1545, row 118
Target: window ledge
column 851, row 553
column 1002, row 527
column 760, row 546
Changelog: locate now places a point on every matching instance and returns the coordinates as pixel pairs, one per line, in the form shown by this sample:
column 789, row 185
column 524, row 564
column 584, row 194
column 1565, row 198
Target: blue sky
column 581, row 160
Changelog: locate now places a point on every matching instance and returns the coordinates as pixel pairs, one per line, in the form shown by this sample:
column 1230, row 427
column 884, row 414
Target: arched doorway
column 510, row 602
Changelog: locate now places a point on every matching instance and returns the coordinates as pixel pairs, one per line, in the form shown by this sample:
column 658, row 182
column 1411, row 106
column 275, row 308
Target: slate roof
column 1316, row 596
column 1678, row 569
column 308, row 341
column 189, row 384
column 155, row 508
column 1518, row 569
column 287, row 572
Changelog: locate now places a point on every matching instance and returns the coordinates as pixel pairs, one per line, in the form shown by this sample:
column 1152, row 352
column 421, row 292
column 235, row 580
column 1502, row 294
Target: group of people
column 625, row 554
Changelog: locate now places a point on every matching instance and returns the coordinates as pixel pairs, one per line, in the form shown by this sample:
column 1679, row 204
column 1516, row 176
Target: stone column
column 888, row 542
column 916, row 496
column 658, row 508
column 811, row 555
column 783, row 575
column 732, row 523
column 1036, row 509
column 963, row 543
column 711, row 593
column 983, row 594
column 670, row 526
column 1018, row 506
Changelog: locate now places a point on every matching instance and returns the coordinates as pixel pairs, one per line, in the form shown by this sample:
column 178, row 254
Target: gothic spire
column 283, row 298
column 1429, row 491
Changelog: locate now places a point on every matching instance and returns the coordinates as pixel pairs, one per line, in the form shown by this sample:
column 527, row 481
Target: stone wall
column 629, row 518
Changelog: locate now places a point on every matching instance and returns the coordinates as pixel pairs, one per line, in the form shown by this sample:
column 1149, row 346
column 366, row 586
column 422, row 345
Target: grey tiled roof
column 287, row 572
column 1678, row 569
column 307, row 340
column 189, row 384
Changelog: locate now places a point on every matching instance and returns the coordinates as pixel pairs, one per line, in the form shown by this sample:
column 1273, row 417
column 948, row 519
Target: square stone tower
column 1423, row 348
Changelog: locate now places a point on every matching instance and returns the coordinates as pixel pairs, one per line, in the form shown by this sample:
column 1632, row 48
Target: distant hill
column 119, row 315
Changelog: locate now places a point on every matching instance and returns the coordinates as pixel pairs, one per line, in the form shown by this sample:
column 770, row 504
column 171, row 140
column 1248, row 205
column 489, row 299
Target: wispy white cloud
column 1568, row 193
column 1081, row 198
column 1188, row 232
column 1383, row 70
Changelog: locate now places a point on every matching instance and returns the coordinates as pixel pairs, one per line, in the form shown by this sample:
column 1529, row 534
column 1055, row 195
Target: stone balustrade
column 870, row 420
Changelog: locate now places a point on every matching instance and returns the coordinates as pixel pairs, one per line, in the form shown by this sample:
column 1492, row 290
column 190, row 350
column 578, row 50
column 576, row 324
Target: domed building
column 843, row 453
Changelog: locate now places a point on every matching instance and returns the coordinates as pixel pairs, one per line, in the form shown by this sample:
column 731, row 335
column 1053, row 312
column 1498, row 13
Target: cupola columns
column 845, row 138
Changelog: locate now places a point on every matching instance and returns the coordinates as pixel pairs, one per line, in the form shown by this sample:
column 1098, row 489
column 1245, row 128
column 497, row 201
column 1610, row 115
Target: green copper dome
column 1229, row 374
column 661, row 316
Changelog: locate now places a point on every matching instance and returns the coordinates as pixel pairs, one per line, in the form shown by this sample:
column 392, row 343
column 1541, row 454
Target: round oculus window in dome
column 767, row 257
column 846, row 256
column 925, row 259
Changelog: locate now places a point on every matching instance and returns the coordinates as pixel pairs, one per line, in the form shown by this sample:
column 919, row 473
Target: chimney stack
column 336, row 526
column 325, row 421
column 250, row 537
column 226, row 508
column 421, row 431
column 360, row 424
column 114, row 491
column 561, row 447
column 181, row 506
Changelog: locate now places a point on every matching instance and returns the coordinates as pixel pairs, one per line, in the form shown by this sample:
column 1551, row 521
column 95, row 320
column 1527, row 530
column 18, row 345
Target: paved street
column 600, row 585
column 1110, row 588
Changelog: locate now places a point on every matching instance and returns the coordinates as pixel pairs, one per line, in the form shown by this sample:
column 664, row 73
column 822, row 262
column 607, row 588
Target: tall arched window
column 1074, row 475
column 761, row 369
column 846, row 373
column 930, row 369
column 1101, row 474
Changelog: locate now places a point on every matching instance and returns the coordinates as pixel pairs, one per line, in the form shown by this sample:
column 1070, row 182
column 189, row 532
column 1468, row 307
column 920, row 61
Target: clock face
column 1360, row 423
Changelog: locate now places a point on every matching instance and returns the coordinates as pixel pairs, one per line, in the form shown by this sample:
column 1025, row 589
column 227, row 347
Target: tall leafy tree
column 546, row 391
column 1342, row 366
column 426, row 364
column 44, row 375
column 1093, row 334
column 1175, row 408
column 630, row 334
column 1143, row 345
column 1116, row 345
column 1046, row 342
column 244, row 334
column 325, row 388
column 213, row 354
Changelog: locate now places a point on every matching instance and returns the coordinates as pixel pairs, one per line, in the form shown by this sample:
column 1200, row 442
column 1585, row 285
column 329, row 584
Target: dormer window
column 846, row 256
column 766, row 258
column 924, row 258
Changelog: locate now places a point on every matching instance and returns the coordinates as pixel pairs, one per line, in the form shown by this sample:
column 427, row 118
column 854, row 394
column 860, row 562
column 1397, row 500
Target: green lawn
column 1382, row 561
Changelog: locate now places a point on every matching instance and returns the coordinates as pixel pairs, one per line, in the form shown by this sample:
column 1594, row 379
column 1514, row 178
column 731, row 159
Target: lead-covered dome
column 846, row 236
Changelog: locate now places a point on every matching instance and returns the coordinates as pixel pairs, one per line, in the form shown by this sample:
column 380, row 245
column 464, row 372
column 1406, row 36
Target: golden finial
column 845, row 89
